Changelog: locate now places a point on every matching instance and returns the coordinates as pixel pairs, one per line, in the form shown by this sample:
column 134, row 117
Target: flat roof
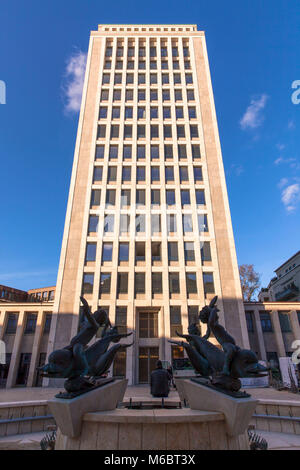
column 287, row 261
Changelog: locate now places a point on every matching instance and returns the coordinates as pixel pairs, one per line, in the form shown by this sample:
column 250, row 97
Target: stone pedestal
column 237, row 411
column 68, row 413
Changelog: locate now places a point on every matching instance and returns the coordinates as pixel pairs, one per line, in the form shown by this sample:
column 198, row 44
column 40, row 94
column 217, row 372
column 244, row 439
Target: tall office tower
column 148, row 232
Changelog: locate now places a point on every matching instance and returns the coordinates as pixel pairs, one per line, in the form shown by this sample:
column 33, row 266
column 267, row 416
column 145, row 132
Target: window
column 179, row 112
column 170, row 197
column 97, row 174
column 140, row 223
column 185, row 197
column 189, row 252
column 205, row 251
column 107, row 250
column 141, row 152
column 155, row 197
column 182, row 152
column 156, row 283
column 187, row 65
column 175, row 65
column 117, row 95
column 93, row 224
column 196, row 151
column 130, row 64
column 190, row 95
column 119, row 64
column 266, row 322
column 104, row 95
column 99, row 154
column 141, row 113
column 148, row 325
column 109, row 220
column 105, row 281
column 155, row 174
column 154, row 132
column 166, row 95
column 128, row 112
column 112, row 174
column 174, row 51
column 200, row 197
column 166, row 112
column 140, row 174
column 142, row 52
column 284, row 320
column 118, row 79
column 103, row 113
column 154, row 152
column 194, row 131
column 141, row 95
column 193, row 315
column 90, row 254
column 124, row 224
column 174, row 285
column 178, row 95
column 47, row 323
column 125, row 197
column 141, row 132
column 250, row 323
column 164, row 52
column 153, row 65
column 108, row 52
column 129, row 95
column 165, row 78
column 152, row 51
column 126, row 174
column 154, row 114
column 187, row 223
column 129, row 78
column 198, row 173
column 121, row 319
column 169, row 173
column 12, row 322
column 188, row 78
column 183, row 173
column 192, row 112
column 177, row 78
column 155, row 223
column 101, row 132
column 123, row 252
column 191, row 283
column 141, row 79
column 88, row 283
column 114, row 131
column 127, row 131
column 202, row 223
column 107, row 65
column 113, row 152
column 127, row 152
column 130, row 51
column 110, row 197
column 116, row 112
column 23, row 371
column 175, row 320
column 95, row 197
column 140, row 197
column 139, row 283
column 172, row 251
column 171, row 223
column 140, row 251
column 122, row 286
column 180, row 132
column 208, row 281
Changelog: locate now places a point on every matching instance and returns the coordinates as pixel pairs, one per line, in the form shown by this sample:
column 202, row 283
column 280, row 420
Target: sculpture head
column 245, row 364
column 204, row 314
column 193, row 329
column 59, row 366
column 101, row 317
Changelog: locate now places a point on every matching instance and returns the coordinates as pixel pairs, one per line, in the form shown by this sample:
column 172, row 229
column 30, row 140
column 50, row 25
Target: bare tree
column 250, row 281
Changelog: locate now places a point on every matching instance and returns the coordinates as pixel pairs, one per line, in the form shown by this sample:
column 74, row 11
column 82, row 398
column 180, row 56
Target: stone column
column 35, row 348
column 295, row 324
column 14, row 363
column 260, row 336
column 278, row 334
column 2, row 323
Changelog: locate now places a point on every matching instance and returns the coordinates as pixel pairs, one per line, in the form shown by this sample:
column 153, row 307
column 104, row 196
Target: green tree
column 250, row 281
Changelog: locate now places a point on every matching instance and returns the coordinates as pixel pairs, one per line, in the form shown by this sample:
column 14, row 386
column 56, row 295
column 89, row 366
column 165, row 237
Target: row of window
column 30, row 325
column 140, row 198
column 140, row 252
column 141, row 112
column 140, row 283
column 141, row 64
column 266, row 321
column 154, row 152
column 153, row 94
column 155, row 172
column 141, row 78
column 142, row 51
column 140, row 224
column 113, row 131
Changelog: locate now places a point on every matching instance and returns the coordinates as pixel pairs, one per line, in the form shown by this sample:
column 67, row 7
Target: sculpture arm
column 88, row 315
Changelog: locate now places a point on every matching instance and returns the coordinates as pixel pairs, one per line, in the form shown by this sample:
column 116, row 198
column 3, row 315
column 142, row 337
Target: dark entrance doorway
column 147, row 362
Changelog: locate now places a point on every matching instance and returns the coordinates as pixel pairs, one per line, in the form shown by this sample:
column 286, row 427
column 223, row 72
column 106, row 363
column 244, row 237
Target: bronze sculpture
column 224, row 367
column 83, row 365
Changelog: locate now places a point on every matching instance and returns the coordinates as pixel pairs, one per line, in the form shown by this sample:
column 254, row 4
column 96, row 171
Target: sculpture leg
column 229, row 350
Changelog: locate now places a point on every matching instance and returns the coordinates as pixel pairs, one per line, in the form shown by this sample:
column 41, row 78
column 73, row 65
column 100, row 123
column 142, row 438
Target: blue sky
column 253, row 49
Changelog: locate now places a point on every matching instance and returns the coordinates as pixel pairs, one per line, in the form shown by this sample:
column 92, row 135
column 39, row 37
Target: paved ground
column 280, row 440
column 134, row 392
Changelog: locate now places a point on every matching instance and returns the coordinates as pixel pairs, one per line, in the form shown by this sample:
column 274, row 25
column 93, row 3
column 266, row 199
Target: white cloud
column 280, row 146
column 253, row 117
column 291, row 124
column 73, row 81
column 283, row 182
column 285, row 160
column 290, row 197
